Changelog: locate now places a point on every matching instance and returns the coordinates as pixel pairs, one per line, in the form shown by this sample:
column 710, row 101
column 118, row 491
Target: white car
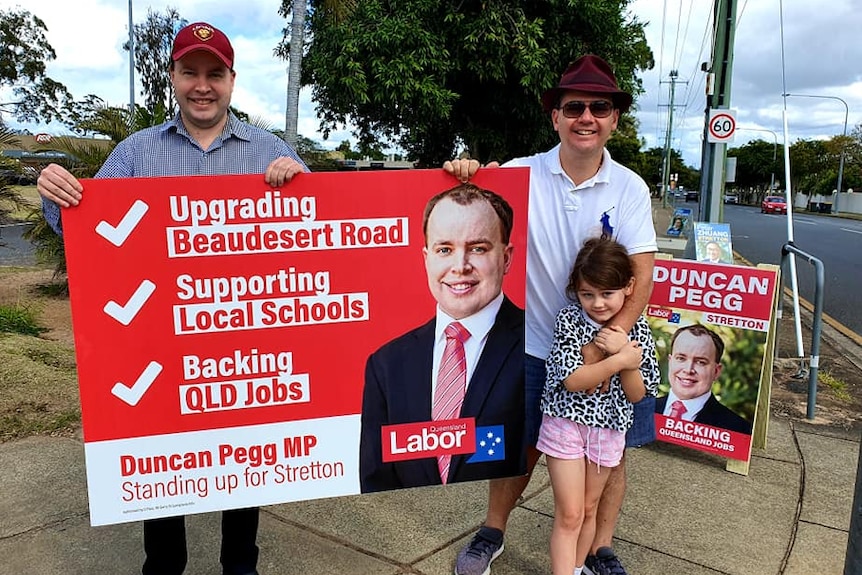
column 731, row 198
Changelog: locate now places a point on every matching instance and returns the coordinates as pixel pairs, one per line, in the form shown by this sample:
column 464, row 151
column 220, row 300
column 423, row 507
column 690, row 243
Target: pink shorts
column 564, row 439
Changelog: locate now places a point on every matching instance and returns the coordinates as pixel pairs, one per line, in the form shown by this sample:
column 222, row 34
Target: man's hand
column 281, row 170
column 611, row 339
column 465, row 169
column 56, row 184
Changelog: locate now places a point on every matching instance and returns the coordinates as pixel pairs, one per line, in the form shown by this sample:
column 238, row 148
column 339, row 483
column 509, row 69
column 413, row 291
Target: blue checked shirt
column 169, row 150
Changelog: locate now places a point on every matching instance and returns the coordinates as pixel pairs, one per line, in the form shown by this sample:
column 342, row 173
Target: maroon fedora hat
column 588, row 74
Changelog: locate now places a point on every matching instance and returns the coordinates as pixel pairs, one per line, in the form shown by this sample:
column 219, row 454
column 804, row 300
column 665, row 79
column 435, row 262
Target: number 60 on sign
column 722, row 126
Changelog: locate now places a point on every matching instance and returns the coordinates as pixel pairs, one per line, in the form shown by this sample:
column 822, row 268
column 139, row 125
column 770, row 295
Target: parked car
column 773, row 205
column 691, row 195
column 731, row 198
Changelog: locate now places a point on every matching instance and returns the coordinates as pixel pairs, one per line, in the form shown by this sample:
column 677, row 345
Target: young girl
column 583, row 426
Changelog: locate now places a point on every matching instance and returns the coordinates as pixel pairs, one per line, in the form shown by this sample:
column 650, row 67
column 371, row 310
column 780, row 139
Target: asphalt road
column 837, row 242
column 14, row 249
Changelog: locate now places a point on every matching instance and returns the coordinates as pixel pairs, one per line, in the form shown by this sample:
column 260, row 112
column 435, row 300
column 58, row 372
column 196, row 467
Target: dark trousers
column 165, row 543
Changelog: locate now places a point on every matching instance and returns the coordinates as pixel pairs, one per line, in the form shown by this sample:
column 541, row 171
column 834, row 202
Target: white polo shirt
column 562, row 217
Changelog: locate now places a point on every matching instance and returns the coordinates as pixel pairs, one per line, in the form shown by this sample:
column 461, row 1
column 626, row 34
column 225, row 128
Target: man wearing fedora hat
column 576, row 192
column 204, row 138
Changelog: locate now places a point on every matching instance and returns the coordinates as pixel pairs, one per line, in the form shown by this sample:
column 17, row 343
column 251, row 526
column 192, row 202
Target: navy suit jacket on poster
column 714, row 414
column 398, row 390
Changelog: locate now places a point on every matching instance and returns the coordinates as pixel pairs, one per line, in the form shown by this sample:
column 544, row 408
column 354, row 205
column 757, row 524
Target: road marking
column 132, row 395
column 851, row 231
column 831, row 321
column 118, row 235
column 125, row 314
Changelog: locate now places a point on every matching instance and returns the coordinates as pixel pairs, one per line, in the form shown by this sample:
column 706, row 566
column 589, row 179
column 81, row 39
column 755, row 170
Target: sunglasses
column 598, row 108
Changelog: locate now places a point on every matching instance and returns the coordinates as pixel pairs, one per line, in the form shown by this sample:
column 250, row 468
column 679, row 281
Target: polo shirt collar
column 603, row 176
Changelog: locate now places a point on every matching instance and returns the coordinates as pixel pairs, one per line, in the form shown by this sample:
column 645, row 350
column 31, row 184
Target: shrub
column 19, row 319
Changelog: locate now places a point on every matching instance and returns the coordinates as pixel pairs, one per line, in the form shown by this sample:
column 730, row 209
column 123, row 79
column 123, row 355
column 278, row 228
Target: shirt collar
column 693, row 405
column 234, row 127
column 603, row 176
column 478, row 324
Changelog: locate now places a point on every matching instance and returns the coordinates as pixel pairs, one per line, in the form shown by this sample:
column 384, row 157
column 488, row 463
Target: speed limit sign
column 722, row 125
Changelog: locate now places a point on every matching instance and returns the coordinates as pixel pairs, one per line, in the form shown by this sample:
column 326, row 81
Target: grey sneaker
column 476, row 557
column 604, row 562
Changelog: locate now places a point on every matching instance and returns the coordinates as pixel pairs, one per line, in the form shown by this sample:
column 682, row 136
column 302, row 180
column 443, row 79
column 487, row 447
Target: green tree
column 153, row 42
column 758, row 162
column 625, row 145
column 84, row 158
column 650, row 163
column 650, row 167
column 431, row 75
column 687, row 177
column 315, row 156
column 10, row 197
column 853, row 160
column 25, row 51
column 291, row 49
column 813, row 170
column 347, row 151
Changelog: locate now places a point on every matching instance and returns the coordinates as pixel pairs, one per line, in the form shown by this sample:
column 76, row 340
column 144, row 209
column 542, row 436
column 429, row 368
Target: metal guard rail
column 816, row 326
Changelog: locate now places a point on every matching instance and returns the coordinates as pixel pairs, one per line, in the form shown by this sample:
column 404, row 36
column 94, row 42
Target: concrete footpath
column 683, row 514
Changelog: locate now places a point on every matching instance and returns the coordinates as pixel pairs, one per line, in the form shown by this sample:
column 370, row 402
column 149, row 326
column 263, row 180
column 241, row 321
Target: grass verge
column 838, row 387
column 38, row 378
column 38, row 387
column 21, row 319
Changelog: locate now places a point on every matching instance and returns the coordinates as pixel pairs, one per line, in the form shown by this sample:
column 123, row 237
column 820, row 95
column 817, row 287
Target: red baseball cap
column 202, row 36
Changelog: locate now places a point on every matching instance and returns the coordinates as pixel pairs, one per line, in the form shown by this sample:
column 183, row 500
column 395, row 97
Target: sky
column 820, row 55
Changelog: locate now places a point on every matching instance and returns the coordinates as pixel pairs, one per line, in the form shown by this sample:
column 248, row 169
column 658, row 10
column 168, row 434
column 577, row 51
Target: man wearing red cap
column 577, row 192
column 204, row 138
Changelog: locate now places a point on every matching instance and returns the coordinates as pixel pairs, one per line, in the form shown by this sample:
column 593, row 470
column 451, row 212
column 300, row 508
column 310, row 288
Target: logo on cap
column 203, row 33
column 203, row 36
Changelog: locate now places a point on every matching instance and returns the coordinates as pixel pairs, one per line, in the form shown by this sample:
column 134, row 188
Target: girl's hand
column 611, row 339
column 630, row 355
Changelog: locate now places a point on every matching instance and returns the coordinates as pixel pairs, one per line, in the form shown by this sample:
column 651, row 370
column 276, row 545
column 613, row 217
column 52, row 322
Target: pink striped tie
column 677, row 409
column 451, row 384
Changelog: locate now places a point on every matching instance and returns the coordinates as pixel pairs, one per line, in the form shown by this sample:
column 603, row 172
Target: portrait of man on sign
column 460, row 376
column 694, row 363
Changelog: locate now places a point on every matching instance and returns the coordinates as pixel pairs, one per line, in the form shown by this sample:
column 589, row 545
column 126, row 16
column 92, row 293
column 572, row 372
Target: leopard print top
column 573, row 329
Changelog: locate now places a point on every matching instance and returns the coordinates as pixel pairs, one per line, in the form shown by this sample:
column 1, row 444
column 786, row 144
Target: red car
column 773, row 205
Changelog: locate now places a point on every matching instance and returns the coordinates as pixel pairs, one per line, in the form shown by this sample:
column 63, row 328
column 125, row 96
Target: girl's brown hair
column 603, row 263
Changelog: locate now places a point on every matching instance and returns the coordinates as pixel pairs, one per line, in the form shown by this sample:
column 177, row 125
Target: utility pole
column 717, row 97
column 666, row 167
column 131, row 66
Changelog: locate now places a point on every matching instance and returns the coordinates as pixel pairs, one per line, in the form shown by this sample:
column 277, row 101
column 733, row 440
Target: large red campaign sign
column 736, row 304
column 222, row 328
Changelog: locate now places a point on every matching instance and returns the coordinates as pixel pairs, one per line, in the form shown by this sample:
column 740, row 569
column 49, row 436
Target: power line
column 668, row 138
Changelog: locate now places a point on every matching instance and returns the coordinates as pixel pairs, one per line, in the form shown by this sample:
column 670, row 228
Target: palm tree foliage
column 292, row 47
column 83, row 160
column 10, row 197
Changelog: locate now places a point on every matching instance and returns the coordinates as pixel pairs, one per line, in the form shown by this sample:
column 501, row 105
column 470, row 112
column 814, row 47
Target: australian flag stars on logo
column 490, row 444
